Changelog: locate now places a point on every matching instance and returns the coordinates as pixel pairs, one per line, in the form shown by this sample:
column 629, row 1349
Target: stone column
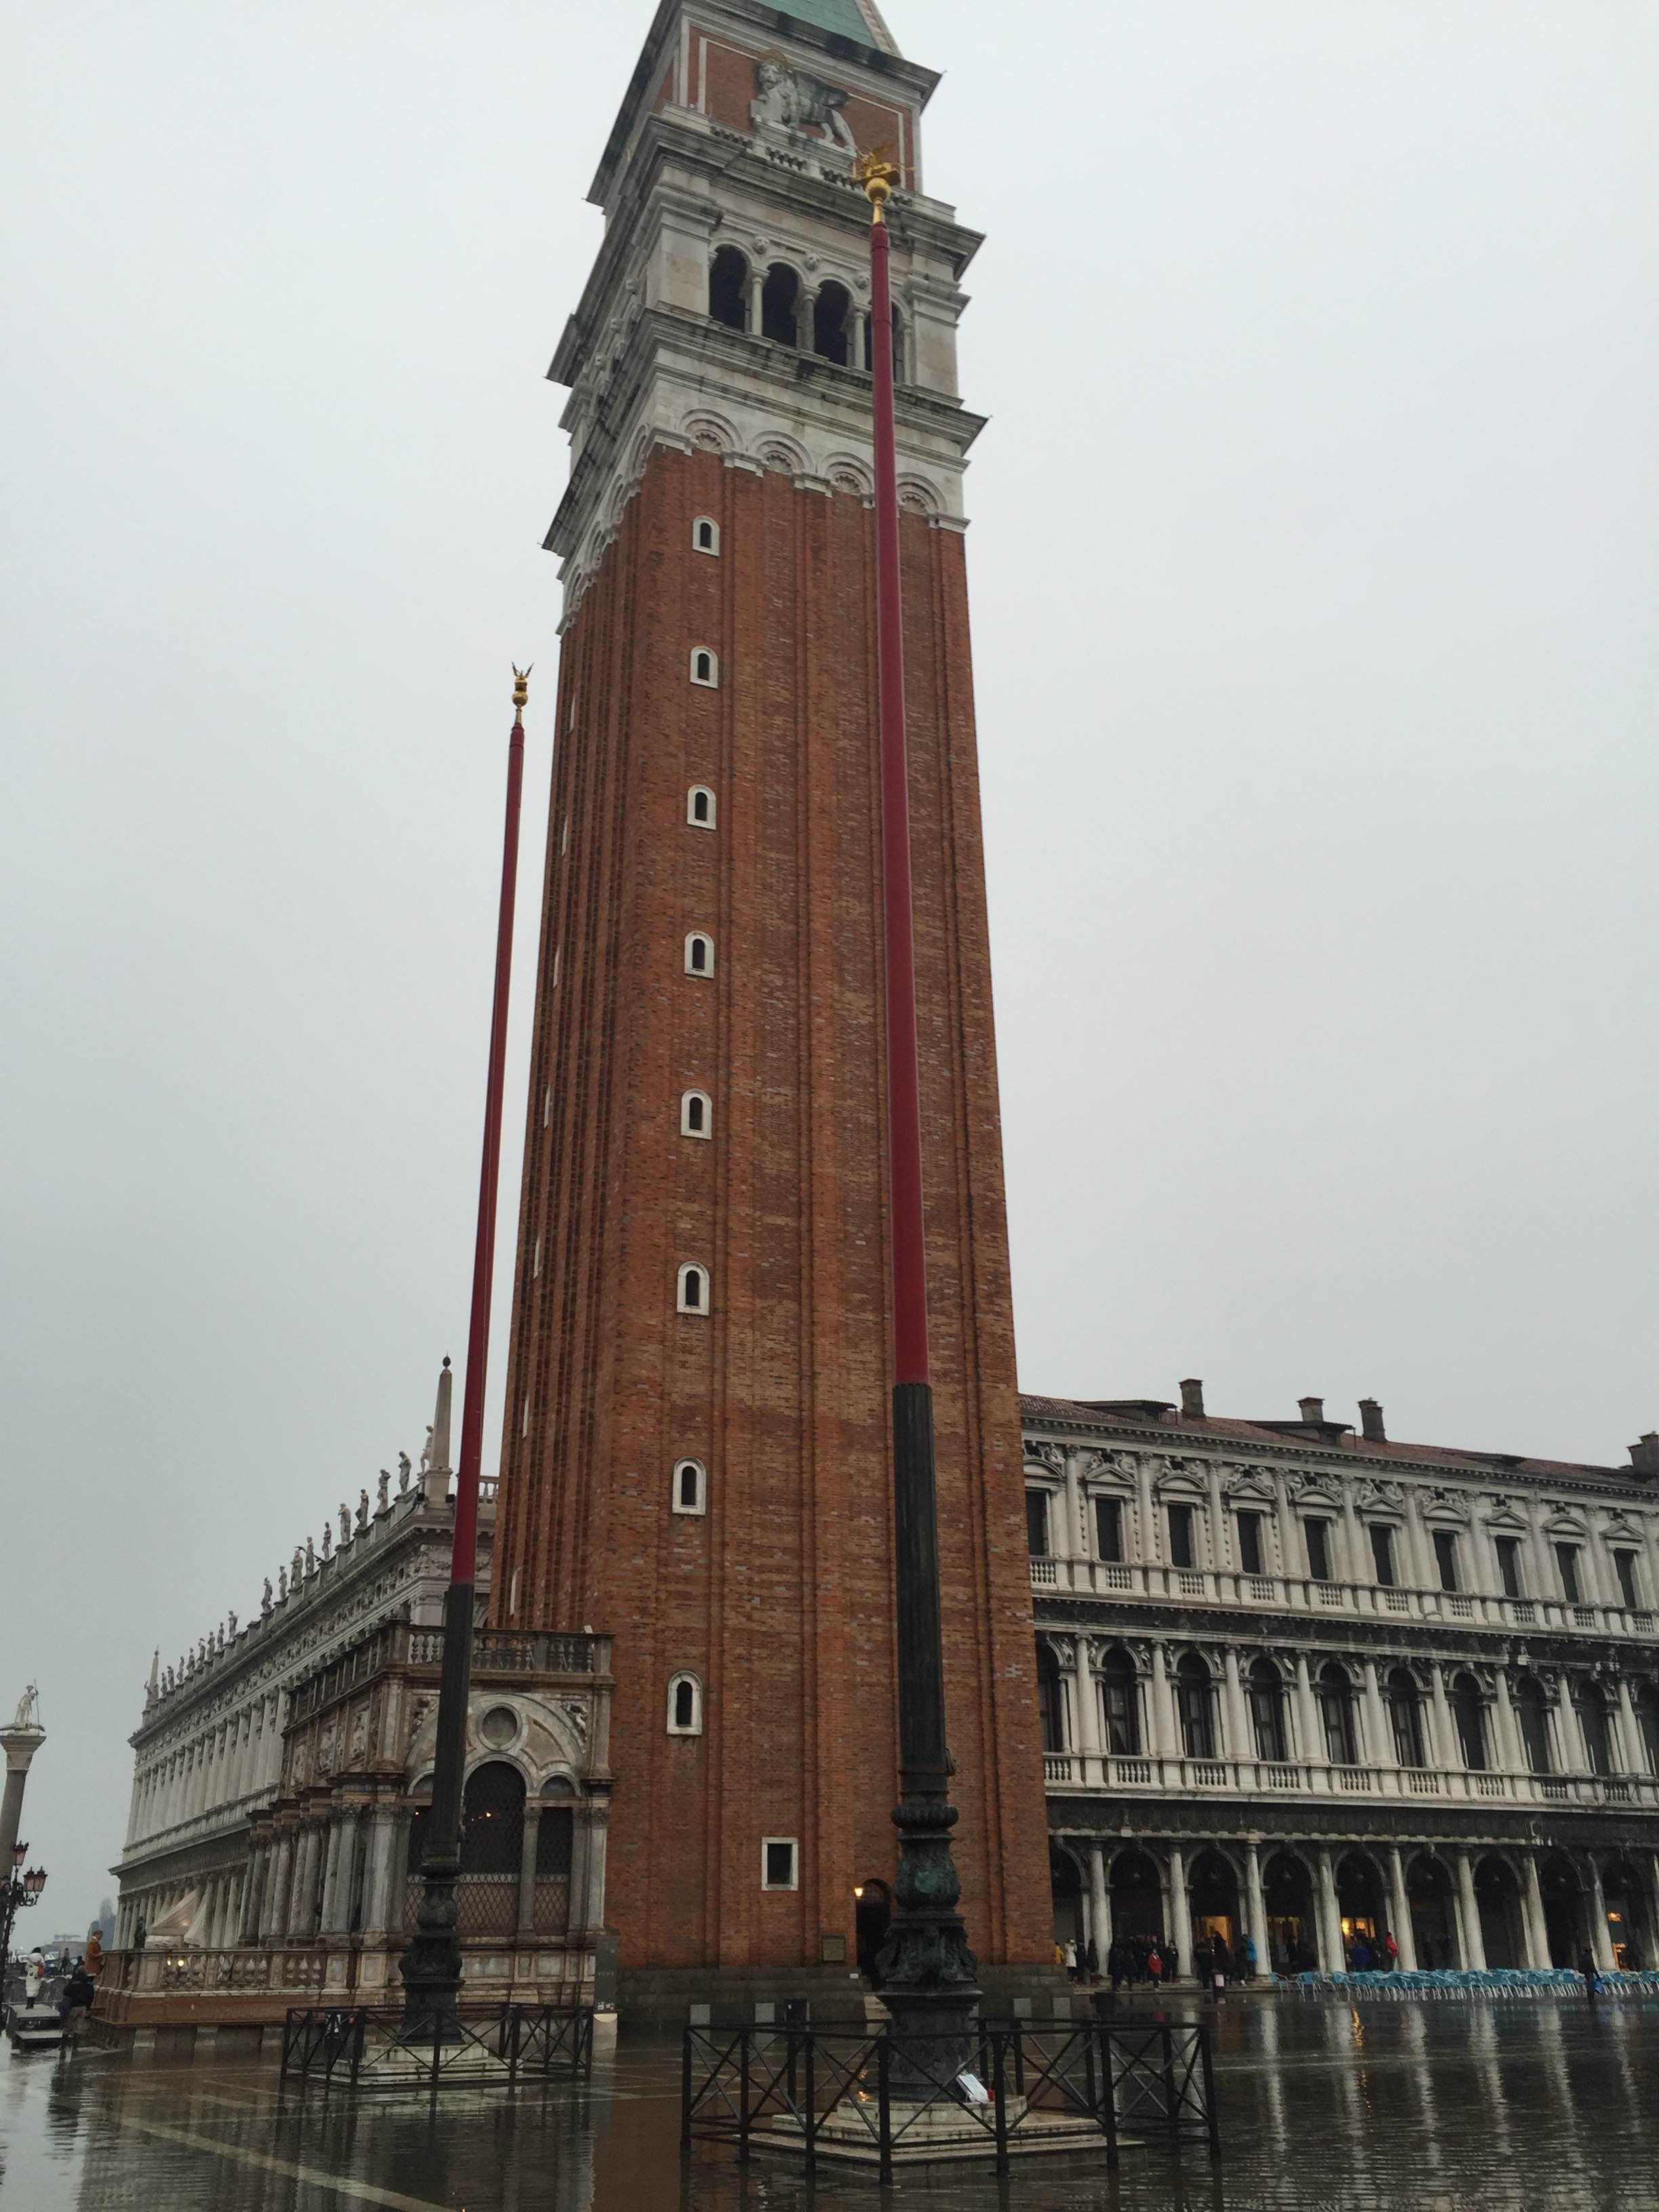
column 533, row 1822
column 1166, row 1735
column 1449, row 1753
column 1532, row 1900
column 806, row 302
column 1328, row 1913
column 1512, row 1752
column 756, row 286
column 1145, row 1512
column 1354, row 1539
column 1255, row 1906
column 331, row 1874
column 1400, row 1910
column 377, row 1851
column 1379, row 1734
column 341, row 1871
column 302, row 1918
column 1570, row 1728
column 249, row 1928
column 1312, row 1745
column 1218, row 1521
column 1074, row 1545
column 593, row 1885
column 1601, row 1938
column 1085, row 1698
column 1471, row 1942
column 273, row 1909
column 1100, row 1903
column 1181, row 1909
column 1420, row 1564
column 1626, row 1733
column 857, row 333
column 1238, row 1716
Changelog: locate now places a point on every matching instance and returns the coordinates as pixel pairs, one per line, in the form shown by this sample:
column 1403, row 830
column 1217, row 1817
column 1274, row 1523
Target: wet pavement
column 1479, row 2106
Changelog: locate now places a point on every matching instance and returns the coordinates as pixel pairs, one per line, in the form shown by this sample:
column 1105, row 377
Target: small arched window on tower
column 696, row 1114
column 699, row 953
column 832, row 316
column 706, row 668
column 692, row 1296
column 684, row 1705
column 705, row 535
column 700, row 806
column 691, row 1490
column 728, row 289
column 779, row 299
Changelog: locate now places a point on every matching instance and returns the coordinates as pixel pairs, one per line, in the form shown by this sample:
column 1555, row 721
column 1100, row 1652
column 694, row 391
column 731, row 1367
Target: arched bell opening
column 728, row 289
column 832, row 314
column 780, row 304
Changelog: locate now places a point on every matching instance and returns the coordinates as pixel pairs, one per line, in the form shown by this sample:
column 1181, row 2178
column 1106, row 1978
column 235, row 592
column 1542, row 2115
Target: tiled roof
column 1474, row 1462
column 846, row 17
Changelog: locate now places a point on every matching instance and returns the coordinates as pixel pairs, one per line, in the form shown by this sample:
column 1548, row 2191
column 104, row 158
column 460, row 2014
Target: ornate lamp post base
column 928, row 1977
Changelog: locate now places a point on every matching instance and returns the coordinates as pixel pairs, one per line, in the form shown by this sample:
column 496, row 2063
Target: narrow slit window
column 684, row 1705
column 699, row 953
column 705, row 667
column 700, row 806
column 696, row 1115
column 706, row 535
column 690, row 1487
column 693, row 1290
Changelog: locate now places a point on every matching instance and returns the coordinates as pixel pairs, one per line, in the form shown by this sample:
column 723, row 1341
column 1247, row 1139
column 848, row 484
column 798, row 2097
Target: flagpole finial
column 878, row 175
column 520, row 687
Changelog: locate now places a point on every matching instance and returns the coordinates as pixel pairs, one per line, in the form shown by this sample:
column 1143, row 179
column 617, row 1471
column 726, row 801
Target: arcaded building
column 1301, row 1680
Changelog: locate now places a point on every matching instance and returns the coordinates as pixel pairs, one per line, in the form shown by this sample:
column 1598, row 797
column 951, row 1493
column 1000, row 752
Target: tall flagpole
column 431, row 1966
column 927, row 1973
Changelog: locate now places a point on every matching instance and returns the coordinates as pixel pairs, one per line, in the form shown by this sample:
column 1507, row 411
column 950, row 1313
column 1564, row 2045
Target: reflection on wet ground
column 1478, row 2107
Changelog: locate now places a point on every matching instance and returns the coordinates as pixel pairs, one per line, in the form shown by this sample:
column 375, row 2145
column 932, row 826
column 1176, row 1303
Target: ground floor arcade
column 1308, row 1902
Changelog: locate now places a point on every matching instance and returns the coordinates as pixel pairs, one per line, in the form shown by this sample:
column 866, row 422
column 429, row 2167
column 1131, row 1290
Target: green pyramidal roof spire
column 850, row 19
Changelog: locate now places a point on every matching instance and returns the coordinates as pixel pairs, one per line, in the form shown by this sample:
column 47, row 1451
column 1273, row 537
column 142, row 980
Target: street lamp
column 22, row 1889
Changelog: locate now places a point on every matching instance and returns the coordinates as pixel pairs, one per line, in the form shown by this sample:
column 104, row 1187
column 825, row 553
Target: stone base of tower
column 662, row 2000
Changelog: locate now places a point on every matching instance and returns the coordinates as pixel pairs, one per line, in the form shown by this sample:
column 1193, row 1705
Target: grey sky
column 1314, row 565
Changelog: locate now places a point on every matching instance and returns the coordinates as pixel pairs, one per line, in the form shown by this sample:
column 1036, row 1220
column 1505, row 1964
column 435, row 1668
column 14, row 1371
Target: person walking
column 1154, row 1967
column 1091, row 1960
column 1070, row 1957
column 1246, row 1972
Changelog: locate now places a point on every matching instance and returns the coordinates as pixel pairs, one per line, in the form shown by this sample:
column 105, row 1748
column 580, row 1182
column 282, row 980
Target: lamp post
column 431, row 1966
column 927, row 1974
column 22, row 1889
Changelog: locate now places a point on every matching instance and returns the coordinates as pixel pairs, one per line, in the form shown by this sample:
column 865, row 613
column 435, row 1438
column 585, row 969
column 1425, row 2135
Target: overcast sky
column 1313, row 574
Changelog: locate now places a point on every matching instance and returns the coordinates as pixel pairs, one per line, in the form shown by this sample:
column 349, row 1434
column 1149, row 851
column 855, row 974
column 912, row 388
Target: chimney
column 1371, row 1422
column 1645, row 1456
column 1192, row 1400
column 1313, row 1411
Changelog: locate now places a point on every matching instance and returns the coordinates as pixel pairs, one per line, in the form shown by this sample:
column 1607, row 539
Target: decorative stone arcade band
column 766, row 296
column 1161, row 1713
column 1305, row 1904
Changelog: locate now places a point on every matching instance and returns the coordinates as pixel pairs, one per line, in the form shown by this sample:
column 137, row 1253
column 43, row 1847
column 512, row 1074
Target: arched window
column 1406, row 1713
column 779, row 298
column 1195, row 1707
column 706, row 668
column 700, row 806
column 1120, row 1704
column 492, row 1820
column 684, row 1705
column 728, row 289
column 831, row 323
column 1533, row 1724
column 1466, row 1705
column 1267, row 1711
column 1336, row 1710
column 693, row 1289
column 691, row 1490
column 696, row 1114
column 705, row 535
column 1598, row 1736
column 1051, row 1699
column 699, row 953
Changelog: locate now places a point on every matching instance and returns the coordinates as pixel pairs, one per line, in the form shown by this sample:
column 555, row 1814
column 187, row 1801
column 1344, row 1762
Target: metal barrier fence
column 831, row 2093
column 514, row 2042
column 1460, row 1983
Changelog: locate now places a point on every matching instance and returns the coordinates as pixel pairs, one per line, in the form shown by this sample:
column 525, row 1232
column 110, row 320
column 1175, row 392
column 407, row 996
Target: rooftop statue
column 28, row 1706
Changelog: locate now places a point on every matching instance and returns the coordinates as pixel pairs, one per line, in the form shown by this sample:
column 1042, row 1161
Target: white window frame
column 707, row 1105
column 694, row 936
column 693, row 820
column 701, row 1493
column 711, row 682
column 771, row 1843
column 694, row 1267
column 684, row 1675
column 706, row 522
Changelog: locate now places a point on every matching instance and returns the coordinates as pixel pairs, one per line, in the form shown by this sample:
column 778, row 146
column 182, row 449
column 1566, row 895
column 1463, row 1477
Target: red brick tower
column 697, row 1453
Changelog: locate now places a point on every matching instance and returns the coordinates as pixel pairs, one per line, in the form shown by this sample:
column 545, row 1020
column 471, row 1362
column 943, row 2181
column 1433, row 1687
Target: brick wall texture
column 779, row 1598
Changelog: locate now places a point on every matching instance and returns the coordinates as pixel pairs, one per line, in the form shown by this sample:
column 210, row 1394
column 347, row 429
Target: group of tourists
column 1373, row 1954
column 1151, row 1961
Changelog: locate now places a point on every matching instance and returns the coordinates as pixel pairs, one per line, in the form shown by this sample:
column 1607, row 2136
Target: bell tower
column 697, row 1454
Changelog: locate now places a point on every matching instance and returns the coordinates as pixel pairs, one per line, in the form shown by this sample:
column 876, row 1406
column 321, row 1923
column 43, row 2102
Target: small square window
column 779, row 1855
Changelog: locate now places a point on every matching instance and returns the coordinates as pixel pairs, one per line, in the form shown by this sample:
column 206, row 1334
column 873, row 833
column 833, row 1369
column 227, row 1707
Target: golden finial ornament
column 520, row 686
column 876, row 171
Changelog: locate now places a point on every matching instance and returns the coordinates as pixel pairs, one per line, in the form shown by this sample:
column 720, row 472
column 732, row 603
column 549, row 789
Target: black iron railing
column 828, row 2094
column 356, row 2046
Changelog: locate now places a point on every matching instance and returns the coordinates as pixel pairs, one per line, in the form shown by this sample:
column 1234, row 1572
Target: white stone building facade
column 1312, row 1684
